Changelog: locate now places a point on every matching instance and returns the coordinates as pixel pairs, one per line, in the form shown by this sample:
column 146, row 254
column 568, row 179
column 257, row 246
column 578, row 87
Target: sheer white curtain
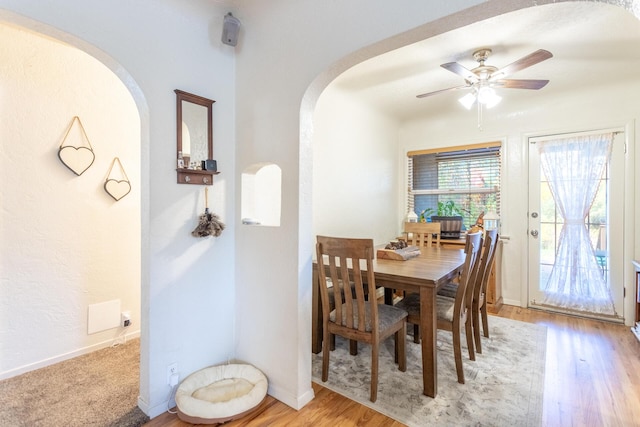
column 573, row 167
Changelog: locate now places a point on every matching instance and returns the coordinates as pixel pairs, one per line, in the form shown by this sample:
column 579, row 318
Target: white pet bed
column 220, row 393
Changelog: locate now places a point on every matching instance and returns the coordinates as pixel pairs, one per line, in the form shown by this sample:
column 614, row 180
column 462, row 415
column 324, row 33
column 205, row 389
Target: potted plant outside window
column 450, row 217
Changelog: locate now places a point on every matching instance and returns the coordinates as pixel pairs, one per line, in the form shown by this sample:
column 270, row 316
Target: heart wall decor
column 117, row 188
column 77, row 158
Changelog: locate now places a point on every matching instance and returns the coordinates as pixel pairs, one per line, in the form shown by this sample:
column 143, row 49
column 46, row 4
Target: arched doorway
column 72, row 258
column 309, row 130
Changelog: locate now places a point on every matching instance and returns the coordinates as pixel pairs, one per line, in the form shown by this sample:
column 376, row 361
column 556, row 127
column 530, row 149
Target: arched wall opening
column 84, row 251
column 261, row 195
column 309, row 127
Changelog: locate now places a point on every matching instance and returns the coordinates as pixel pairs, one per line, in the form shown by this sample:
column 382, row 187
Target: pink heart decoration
column 117, row 189
column 77, row 159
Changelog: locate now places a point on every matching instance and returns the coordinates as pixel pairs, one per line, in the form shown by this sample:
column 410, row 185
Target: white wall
column 355, row 174
column 187, row 283
column 64, row 242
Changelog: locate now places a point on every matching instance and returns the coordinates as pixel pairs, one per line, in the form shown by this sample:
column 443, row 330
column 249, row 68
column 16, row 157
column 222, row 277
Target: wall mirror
column 194, row 153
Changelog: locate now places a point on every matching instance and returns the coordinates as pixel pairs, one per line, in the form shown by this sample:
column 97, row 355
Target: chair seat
column 449, row 290
column 387, row 316
column 411, row 304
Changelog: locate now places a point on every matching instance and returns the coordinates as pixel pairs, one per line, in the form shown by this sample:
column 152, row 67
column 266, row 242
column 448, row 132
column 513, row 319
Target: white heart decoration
column 117, row 189
column 77, row 159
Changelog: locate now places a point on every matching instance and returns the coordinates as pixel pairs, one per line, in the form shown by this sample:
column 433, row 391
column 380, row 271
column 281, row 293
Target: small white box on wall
column 103, row 316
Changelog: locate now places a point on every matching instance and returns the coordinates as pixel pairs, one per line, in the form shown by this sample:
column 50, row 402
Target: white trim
column 551, row 137
column 66, row 356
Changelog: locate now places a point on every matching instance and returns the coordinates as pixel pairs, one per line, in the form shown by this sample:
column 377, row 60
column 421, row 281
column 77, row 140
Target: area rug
column 503, row 386
column 96, row 389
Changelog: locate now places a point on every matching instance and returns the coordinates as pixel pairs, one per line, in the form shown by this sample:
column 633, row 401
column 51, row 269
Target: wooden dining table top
column 433, row 267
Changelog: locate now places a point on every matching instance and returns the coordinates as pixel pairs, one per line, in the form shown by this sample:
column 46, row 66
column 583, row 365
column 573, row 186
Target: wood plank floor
column 592, row 378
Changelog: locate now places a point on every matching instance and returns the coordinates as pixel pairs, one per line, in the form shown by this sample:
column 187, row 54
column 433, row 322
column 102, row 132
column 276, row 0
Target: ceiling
column 592, row 44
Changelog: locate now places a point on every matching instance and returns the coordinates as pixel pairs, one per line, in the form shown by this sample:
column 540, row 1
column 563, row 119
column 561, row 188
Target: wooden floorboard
column 592, row 379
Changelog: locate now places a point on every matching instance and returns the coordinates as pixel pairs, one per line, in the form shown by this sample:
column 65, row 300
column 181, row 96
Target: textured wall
column 64, row 242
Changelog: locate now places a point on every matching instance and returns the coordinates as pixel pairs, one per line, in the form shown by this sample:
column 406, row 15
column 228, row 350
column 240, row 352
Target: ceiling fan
column 485, row 77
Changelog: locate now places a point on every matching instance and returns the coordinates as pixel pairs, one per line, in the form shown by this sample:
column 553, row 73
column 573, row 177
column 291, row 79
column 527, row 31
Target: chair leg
column 457, row 352
column 396, row 351
column 375, row 350
column 485, row 321
column 468, row 329
column 326, row 348
column 416, row 334
column 353, row 347
column 332, row 340
column 476, row 329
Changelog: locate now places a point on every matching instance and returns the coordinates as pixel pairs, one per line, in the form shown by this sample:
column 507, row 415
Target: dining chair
column 345, row 261
column 479, row 303
column 453, row 313
column 422, row 233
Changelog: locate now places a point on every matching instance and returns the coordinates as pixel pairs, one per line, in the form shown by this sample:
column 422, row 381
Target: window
column 467, row 176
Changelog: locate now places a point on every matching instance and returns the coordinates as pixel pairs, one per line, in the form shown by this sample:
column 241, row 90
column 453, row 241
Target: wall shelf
column 195, row 176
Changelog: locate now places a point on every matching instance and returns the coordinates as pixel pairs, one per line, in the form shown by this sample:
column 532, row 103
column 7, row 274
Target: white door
column 604, row 223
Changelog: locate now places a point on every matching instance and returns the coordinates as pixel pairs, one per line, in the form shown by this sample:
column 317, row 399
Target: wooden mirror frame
column 186, row 175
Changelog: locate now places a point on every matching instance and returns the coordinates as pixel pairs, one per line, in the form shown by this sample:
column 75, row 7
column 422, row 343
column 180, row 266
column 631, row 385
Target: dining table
column 424, row 274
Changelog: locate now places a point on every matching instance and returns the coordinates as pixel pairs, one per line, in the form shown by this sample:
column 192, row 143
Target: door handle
column 534, row 233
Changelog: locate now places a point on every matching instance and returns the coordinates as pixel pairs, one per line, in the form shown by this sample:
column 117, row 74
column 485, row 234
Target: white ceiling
column 592, row 44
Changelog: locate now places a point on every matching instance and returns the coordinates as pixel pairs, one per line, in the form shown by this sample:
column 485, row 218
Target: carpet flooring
column 503, row 386
column 95, row 389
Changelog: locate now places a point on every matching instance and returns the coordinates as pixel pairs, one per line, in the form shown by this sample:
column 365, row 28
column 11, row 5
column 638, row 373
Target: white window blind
column 468, row 176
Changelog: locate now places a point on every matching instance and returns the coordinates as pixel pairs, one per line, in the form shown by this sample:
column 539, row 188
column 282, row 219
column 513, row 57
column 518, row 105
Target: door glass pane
column 547, row 206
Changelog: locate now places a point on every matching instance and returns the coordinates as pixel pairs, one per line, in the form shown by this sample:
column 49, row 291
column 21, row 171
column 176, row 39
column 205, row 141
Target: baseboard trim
column 154, row 411
column 296, row 402
column 62, row 357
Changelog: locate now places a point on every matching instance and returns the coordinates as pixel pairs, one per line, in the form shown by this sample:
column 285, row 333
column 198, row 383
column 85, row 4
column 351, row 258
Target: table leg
column 429, row 329
column 388, row 296
column 316, row 314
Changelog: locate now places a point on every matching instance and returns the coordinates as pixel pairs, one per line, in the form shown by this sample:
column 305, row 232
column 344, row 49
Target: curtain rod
column 541, row 138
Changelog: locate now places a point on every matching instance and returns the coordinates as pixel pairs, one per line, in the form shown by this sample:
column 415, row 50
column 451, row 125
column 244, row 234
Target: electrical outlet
column 125, row 319
column 172, row 369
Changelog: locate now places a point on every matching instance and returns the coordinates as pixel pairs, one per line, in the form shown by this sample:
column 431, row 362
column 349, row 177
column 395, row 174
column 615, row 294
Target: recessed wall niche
column 261, row 194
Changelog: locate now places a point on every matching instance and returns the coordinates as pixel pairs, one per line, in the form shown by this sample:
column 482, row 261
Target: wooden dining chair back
column 454, row 313
column 422, row 233
column 479, row 304
column 346, row 267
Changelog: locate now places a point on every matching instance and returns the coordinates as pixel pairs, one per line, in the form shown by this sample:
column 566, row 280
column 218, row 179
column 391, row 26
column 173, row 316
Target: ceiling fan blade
column 454, row 67
column 520, row 84
column 522, row 63
column 425, row 95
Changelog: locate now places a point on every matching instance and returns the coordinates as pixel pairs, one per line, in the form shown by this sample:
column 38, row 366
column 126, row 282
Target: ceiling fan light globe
column 493, row 101
column 467, row 101
column 485, row 94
